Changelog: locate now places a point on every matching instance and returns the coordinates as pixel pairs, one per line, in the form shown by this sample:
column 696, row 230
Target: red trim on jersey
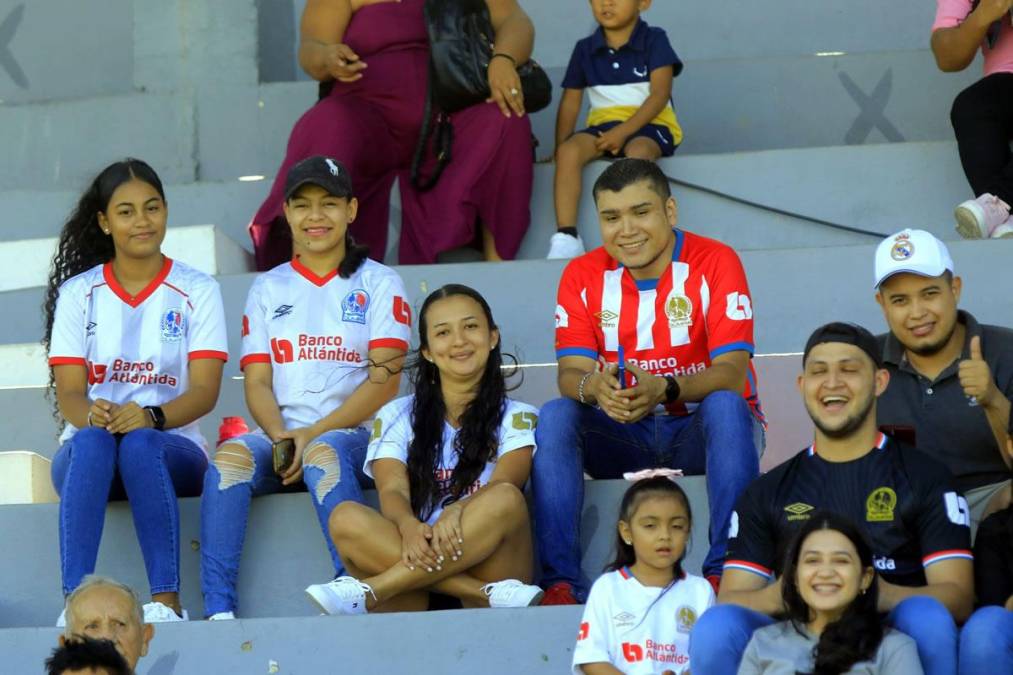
column 254, row 358
column 751, row 566
column 388, row 343
column 625, row 572
column 67, row 361
column 310, row 275
column 134, row 301
column 940, row 556
column 209, row 354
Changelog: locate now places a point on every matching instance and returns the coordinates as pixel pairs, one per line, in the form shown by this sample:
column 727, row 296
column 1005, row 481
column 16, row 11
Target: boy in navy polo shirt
column 627, row 67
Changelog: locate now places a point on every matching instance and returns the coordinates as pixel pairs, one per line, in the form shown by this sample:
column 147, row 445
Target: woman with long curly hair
column 833, row 626
column 136, row 346
column 450, row 462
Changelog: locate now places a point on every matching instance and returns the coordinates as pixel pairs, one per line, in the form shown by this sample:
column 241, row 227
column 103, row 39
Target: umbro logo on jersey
column 798, row 511
column 607, row 318
column 282, row 310
column 623, row 619
column 90, row 328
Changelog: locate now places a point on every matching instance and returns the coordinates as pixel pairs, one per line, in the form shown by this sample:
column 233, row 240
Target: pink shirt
column 951, row 13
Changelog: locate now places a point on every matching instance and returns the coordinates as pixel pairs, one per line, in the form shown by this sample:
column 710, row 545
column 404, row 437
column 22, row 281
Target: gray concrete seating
column 284, row 552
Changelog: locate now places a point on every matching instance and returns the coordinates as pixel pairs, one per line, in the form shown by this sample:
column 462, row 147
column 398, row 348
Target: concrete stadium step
column 872, row 187
column 284, row 552
column 24, row 263
column 789, row 427
column 532, row 641
column 793, row 290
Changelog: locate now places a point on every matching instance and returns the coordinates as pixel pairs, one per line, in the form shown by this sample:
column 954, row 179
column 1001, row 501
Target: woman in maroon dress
column 376, row 53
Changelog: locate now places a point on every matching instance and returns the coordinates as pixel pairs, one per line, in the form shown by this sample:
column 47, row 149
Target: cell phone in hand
column 283, row 454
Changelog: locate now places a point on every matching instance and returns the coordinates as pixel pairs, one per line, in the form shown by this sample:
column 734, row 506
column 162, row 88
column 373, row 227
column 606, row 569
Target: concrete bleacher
column 808, row 107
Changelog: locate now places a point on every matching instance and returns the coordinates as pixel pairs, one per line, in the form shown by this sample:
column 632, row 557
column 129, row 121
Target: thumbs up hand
column 976, row 377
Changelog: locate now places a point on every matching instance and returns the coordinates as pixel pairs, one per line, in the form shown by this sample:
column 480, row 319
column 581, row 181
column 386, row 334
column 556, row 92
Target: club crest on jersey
column 902, row 248
column 607, row 318
column 679, row 310
column 880, row 505
column 354, row 306
column 685, row 619
column 173, row 326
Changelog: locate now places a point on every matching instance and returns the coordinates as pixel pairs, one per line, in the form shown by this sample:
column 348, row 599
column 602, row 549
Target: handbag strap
column 441, row 130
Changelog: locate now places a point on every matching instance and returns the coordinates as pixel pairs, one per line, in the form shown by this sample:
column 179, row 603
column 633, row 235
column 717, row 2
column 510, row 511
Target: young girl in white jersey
column 450, row 462
column 136, row 347
column 639, row 614
column 324, row 336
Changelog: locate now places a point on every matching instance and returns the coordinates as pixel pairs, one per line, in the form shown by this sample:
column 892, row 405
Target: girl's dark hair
column 478, row 439
column 355, row 253
column 856, row 635
column 82, row 244
column 658, row 486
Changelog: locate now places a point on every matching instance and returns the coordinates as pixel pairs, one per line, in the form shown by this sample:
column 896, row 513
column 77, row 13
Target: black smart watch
column 672, row 389
column 157, row 416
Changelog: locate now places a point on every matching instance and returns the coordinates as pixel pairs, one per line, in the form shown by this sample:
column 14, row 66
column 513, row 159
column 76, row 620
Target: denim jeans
column 225, row 510
column 986, row 642
column 719, row 439
column 148, row 467
column 720, row 637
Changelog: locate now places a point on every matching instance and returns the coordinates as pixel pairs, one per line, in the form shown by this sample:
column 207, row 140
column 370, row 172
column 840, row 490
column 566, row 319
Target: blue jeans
column 720, row 637
column 720, row 439
column 225, row 506
column 148, row 467
column 986, row 642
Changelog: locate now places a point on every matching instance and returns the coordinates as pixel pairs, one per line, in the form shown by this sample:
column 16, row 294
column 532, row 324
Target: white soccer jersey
column 316, row 332
column 137, row 348
column 621, row 626
column 392, row 433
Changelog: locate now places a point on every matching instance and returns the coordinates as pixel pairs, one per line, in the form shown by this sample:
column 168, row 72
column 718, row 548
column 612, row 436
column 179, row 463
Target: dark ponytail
column 856, row 635
column 355, row 255
column 82, row 244
column 477, row 441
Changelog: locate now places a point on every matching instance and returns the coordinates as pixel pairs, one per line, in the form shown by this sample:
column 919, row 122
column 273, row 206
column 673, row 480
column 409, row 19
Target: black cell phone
column 283, row 453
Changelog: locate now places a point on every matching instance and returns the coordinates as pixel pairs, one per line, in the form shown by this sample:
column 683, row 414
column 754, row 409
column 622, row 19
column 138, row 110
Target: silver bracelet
column 580, row 386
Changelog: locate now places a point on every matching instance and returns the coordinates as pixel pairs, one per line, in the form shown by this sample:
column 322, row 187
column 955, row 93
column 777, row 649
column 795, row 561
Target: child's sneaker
column 512, row 593
column 979, row 218
column 344, row 595
column 222, row 616
column 564, row 245
column 156, row 612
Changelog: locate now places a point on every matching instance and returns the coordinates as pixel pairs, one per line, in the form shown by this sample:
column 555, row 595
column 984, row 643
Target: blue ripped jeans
column 149, row 468
column 229, row 488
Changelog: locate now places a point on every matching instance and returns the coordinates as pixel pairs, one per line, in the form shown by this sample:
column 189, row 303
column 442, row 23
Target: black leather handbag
column 461, row 39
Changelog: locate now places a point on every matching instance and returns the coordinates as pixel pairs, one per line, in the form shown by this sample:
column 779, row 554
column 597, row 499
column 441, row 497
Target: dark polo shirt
column 949, row 425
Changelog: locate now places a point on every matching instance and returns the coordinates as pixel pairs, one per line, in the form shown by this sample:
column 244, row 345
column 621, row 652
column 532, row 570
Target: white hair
column 94, row 581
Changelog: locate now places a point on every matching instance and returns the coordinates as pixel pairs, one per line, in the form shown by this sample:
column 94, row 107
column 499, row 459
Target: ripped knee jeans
column 241, row 469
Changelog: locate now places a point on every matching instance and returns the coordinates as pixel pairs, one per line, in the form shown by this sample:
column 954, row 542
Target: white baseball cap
column 913, row 251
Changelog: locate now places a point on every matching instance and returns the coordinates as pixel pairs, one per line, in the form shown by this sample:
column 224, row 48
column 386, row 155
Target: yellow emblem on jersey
column 377, row 430
column 880, row 505
column 798, row 511
column 685, row 619
column 524, row 421
column 607, row 318
column 679, row 311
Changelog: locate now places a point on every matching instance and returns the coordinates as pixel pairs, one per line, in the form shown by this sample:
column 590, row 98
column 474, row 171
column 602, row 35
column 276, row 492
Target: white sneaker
column 1004, row 231
column 156, row 612
column 61, row 621
column 222, row 616
column 512, row 593
column 344, row 595
column 979, row 218
column 563, row 245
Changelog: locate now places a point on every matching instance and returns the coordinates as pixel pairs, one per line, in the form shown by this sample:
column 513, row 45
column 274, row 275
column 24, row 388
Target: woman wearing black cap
column 324, row 336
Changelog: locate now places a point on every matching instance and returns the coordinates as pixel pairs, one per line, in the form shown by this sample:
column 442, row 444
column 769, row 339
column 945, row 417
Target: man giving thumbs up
column 951, row 378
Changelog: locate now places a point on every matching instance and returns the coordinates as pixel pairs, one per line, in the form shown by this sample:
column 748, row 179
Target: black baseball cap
column 848, row 333
column 330, row 174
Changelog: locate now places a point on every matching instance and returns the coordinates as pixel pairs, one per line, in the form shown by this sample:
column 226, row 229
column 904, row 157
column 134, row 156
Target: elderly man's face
column 107, row 613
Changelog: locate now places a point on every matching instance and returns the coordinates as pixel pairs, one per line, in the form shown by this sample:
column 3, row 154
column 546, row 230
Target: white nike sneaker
column 344, row 595
column 222, row 616
column 512, row 593
column 156, row 612
column 564, row 245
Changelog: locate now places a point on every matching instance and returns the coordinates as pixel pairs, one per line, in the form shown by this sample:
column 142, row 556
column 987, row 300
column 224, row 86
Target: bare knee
column 347, row 520
column 324, row 457
column 507, row 502
column 641, row 148
column 570, row 155
column 234, row 463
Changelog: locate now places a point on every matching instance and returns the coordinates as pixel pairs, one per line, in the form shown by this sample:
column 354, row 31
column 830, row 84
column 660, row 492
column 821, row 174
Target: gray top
column 948, row 425
column 779, row 649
